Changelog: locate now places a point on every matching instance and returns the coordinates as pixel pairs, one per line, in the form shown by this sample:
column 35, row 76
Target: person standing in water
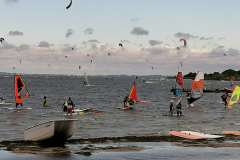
column 45, row 103
column 179, row 109
column 170, row 107
column 70, row 106
column 224, row 98
column 125, row 101
column 64, row 106
column 19, row 96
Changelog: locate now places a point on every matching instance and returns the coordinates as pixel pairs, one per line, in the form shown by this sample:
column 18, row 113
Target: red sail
column 133, row 94
column 19, row 85
column 233, row 79
column 179, row 79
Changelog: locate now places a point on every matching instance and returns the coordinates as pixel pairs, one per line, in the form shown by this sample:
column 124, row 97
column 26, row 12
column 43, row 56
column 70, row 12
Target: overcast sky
column 48, row 38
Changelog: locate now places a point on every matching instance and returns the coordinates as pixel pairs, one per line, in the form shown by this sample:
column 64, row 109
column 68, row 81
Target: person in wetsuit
column 64, row 106
column 224, row 98
column 125, row 101
column 171, row 106
column 19, row 96
column 179, row 109
column 45, row 103
column 131, row 102
column 70, row 107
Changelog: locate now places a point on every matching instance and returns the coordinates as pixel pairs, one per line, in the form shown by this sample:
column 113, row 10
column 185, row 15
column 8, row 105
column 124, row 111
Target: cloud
column 7, row 46
column 233, row 52
column 93, row 41
column 89, row 31
column 155, row 51
column 185, row 35
column 11, row 1
column 23, row 47
column 15, row 33
column 44, row 44
column 220, row 47
column 139, row 31
column 221, row 38
column 135, row 19
column 154, row 42
column 204, row 38
column 67, row 48
column 124, row 41
column 94, row 46
column 69, row 32
column 217, row 52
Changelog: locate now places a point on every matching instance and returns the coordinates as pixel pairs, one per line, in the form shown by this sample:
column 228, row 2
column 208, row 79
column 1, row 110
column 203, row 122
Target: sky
column 43, row 37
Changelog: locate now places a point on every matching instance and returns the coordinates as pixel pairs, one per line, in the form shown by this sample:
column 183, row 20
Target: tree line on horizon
column 225, row 75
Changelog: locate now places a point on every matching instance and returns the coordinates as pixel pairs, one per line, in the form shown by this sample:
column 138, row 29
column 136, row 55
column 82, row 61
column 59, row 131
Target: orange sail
column 19, row 85
column 133, row 94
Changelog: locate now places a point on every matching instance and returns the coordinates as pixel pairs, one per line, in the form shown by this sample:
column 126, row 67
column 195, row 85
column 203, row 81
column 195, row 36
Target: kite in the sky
column 13, row 68
column 1, row 40
column 181, row 63
column 79, row 67
column 224, row 54
column 178, row 48
column 65, row 56
column 88, row 55
column 120, row 44
column 69, row 4
column 20, row 61
column 109, row 54
column 152, row 67
column 185, row 42
column 91, row 61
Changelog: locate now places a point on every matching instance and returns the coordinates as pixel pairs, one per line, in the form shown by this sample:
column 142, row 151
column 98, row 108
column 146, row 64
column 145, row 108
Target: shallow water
column 151, row 151
column 207, row 116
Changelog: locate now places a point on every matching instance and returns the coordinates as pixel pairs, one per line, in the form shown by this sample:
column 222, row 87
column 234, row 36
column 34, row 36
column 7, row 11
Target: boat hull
column 59, row 130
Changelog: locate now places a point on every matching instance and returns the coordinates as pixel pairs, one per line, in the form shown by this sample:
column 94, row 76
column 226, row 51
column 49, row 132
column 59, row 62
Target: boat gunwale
column 50, row 121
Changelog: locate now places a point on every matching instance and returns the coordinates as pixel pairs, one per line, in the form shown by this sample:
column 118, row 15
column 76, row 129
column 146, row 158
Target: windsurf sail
column 133, row 94
column 19, row 86
column 179, row 100
column 86, row 79
column 197, row 88
column 232, row 81
column 178, row 84
column 235, row 96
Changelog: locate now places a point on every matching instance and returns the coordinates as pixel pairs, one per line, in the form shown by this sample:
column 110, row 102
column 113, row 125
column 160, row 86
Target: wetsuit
column 19, row 103
column 224, row 99
column 65, row 104
column 125, row 101
column 171, row 106
column 131, row 103
column 70, row 105
column 45, row 103
column 179, row 107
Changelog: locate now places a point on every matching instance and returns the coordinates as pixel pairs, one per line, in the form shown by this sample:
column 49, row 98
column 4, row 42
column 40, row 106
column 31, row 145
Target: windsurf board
column 184, row 135
column 18, row 108
column 232, row 132
column 201, row 134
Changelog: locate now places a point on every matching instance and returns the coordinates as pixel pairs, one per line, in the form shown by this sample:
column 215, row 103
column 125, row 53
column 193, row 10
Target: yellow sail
column 235, row 96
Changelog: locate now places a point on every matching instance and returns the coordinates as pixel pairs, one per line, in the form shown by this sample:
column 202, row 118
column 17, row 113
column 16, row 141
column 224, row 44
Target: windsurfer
column 45, row 103
column 85, row 83
column 125, row 100
column 171, row 106
column 224, row 98
column 19, row 96
column 131, row 102
column 179, row 109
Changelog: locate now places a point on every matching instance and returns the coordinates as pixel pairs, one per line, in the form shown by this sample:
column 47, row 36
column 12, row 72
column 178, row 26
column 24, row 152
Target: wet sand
column 87, row 146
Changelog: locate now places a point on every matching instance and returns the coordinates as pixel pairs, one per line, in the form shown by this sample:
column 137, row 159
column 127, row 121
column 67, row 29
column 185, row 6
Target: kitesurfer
column 19, row 97
column 171, row 106
column 224, row 98
column 179, row 109
column 70, row 106
column 45, row 103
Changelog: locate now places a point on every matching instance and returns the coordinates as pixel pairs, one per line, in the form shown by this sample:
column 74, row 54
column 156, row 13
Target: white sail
column 86, row 79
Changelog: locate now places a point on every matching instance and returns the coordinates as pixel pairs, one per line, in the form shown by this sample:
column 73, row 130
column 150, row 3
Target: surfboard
column 18, row 108
column 201, row 134
column 166, row 114
column 76, row 113
column 184, row 135
column 232, row 132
